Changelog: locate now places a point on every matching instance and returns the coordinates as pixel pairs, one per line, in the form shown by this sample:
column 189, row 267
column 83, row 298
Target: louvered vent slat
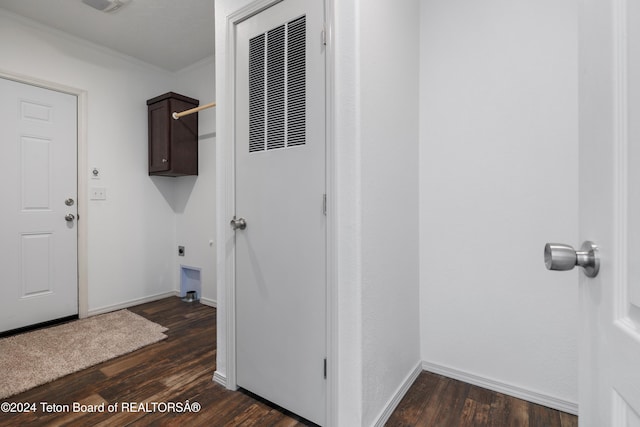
column 257, row 135
column 296, row 81
column 275, row 88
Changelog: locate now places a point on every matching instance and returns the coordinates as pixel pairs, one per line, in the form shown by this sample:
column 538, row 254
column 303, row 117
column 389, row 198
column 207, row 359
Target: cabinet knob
column 164, row 160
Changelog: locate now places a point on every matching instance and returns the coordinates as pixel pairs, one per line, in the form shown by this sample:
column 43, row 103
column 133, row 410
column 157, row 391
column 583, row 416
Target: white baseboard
column 210, row 302
column 220, row 379
column 397, row 396
column 500, row 387
column 130, row 303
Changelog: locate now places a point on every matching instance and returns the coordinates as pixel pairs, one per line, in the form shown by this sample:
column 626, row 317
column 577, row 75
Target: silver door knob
column 560, row 257
column 69, row 217
column 238, row 224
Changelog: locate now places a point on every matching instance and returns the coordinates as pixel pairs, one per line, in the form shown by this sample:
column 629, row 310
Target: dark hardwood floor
column 177, row 369
column 434, row 400
column 180, row 369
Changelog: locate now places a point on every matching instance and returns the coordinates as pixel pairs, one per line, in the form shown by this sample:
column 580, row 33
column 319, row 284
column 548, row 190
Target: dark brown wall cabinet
column 173, row 144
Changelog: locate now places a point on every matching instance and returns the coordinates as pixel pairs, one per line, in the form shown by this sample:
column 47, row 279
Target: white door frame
column 83, row 172
column 228, row 204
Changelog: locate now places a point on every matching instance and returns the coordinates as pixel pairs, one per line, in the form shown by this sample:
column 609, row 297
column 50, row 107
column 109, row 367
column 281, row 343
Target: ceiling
column 171, row 34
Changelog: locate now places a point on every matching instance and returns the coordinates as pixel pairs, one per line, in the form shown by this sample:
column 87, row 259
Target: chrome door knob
column 238, row 224
column 69, row 217
column 560, row 257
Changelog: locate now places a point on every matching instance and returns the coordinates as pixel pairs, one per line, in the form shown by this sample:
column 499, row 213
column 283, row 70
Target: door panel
column 38, row 247
column 609, row 211
column 37, row 263
column 280, row 183
column 35, row 171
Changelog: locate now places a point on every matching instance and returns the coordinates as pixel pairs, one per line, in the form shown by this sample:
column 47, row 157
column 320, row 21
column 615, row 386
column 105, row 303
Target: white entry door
column 280, row 186
column 609, row 377
column 38, row 245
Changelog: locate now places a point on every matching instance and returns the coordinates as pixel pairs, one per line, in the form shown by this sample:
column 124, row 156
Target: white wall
column 498, row 179
column 345, row 204
column 375, row 130
column 195, row 196
column 388, row 131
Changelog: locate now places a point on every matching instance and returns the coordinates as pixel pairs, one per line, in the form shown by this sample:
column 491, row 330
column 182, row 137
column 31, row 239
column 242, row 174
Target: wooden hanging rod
column 176, row 116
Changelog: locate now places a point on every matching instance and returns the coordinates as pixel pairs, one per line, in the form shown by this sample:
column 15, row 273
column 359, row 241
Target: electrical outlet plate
column 98, row 193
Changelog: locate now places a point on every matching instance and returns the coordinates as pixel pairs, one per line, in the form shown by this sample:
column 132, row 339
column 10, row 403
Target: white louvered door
column 38, row 246
column 280, row 183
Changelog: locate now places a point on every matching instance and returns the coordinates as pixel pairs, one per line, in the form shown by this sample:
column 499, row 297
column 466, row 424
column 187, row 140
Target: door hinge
column 324, row 204
column 325, row 368
column 323, row 35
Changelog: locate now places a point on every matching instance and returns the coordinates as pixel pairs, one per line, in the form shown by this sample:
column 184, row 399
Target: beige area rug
column 34, row 358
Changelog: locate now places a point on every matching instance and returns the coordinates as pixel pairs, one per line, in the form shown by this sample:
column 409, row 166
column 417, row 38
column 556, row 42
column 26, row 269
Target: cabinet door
column 159, row 137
